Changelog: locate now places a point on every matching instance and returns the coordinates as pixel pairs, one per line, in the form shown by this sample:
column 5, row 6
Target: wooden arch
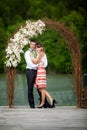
column 74, row 50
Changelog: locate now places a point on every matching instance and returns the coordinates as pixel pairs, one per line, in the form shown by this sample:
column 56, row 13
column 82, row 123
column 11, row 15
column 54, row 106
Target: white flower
column 20, row 39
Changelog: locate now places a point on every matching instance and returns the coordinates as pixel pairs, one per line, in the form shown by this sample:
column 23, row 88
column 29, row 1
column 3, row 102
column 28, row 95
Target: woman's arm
column 38, row 59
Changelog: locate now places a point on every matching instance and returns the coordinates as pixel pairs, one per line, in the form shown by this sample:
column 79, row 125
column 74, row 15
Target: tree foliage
column 72, row 13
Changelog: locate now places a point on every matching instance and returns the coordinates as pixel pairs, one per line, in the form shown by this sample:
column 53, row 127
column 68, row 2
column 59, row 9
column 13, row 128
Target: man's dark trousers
column 31, row 75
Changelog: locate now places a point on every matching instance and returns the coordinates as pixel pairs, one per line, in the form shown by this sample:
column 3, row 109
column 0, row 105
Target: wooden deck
column 58, row 118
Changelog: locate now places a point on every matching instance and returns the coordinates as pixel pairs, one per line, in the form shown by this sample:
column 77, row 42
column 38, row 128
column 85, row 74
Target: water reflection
column 59, row 86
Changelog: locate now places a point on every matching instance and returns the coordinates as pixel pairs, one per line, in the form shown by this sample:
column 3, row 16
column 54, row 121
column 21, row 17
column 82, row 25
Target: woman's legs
column 52, row 101
column 49, row 97
column 42, row 90
column 45, row 94
column 46, row 103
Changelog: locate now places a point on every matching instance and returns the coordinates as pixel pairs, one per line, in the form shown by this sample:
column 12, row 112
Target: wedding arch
column 22, row 37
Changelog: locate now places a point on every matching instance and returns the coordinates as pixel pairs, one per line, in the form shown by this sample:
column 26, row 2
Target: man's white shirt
column 30, row 65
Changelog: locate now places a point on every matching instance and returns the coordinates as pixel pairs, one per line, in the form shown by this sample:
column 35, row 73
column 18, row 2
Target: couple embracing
column 36, row 62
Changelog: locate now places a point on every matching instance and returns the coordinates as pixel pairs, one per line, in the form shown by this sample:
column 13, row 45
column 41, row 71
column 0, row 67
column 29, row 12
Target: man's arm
column 28, row 60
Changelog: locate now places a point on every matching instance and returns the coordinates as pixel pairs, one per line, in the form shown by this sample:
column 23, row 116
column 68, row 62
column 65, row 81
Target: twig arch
column 74, row 50
column 75, row 53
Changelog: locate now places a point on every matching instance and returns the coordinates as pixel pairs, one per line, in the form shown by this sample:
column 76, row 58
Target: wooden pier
column 58, row 118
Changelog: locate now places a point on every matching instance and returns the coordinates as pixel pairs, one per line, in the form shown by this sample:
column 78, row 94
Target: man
column 31, row 71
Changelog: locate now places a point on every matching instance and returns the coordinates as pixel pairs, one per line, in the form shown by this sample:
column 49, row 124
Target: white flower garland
column 20, row 39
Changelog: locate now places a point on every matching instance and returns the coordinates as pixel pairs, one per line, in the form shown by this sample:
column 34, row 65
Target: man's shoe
column 32, row 107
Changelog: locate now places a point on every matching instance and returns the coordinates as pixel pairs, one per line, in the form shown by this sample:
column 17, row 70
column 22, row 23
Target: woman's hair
column 39, row 45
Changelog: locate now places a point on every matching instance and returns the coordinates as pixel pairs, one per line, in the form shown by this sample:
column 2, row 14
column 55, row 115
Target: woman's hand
column 38, row 59
column 31, row 56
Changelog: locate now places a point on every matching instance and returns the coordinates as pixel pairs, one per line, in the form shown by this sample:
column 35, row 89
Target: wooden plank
column 24, row 118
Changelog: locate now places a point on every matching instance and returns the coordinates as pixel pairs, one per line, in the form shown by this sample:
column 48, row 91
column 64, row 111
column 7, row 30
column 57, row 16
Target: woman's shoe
column 53, row 104
column 41, row 106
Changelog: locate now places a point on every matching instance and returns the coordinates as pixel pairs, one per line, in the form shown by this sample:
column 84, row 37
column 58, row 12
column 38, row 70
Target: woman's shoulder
column 41, row 54
column 44, row 54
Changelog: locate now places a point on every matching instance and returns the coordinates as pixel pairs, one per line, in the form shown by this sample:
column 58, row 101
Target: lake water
column 59, row 86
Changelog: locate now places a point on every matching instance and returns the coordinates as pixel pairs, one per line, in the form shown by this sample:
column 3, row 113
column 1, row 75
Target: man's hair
column 33, row 41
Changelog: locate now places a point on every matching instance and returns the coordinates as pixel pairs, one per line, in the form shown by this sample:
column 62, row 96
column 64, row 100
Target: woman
column 41, row 76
